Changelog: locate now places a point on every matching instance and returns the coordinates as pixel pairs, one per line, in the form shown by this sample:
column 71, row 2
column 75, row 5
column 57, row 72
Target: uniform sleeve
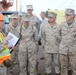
column 38, row 24
column 19, row 29
column 60, row 30
column 58, row 36
column 74, row 34
column 35, row 34
column 43, row 36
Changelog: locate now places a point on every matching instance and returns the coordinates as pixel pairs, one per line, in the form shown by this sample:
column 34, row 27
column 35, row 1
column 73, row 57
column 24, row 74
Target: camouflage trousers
column 27, row 62
column 3, row 70
column 14, row 59
column 49, row 58
column 64, row 63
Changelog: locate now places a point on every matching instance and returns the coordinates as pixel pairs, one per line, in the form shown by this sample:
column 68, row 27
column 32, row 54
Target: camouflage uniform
column 3, row 70
column 27, row 50
column 51, row 47
column 34, row 20
column 15, row 31
column 51, row 38
column 68, row 45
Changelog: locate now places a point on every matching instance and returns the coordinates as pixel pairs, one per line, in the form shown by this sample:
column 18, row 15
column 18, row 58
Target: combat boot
column 47, row 73
column 37, row 69
column 39, row 74
column 70, row 72
column 10, row 73
column 57, row 74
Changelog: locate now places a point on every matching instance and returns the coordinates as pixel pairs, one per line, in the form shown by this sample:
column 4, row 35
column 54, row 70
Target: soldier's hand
column 14, row 48
column 8, row 37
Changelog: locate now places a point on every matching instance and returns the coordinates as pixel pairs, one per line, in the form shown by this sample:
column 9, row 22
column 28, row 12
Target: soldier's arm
column 74, row 34
column 35, row 34
column 60, row 30
column 43, row 36
column 38, row 24
column 58, row 35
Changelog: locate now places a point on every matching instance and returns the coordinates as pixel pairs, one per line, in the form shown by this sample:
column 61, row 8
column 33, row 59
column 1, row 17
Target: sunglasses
column 50, row 17
column 29, row 9
column 15, row 19
column 67, row 15
column 26, row 21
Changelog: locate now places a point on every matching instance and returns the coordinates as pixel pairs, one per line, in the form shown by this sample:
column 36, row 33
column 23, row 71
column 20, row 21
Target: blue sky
column 43, row 5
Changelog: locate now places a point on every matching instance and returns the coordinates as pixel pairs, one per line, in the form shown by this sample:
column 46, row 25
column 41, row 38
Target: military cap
column 20, row 14
column 43, row 12
column 69, row 11
column 52, row 14
column 14, row 16
column 29, row 7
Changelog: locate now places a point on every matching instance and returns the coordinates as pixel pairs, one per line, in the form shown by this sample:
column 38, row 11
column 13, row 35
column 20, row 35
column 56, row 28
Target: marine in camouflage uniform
column 34, row 20
column 27, row 49
column 51, row 40
column 68, row 43
column 44, row 18
column 13, row 28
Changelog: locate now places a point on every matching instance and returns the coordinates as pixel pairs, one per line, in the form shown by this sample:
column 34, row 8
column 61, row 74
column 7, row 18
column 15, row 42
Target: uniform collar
column 25, row 27
column 66, row 25
column 54, row 27
column 13, row 26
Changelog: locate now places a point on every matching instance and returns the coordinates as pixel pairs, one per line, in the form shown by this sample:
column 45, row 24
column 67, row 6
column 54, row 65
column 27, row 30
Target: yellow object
column 1, row 38
column 5, row 54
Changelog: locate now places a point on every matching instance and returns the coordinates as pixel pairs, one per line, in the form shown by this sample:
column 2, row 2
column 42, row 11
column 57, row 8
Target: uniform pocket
column 64, row 32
